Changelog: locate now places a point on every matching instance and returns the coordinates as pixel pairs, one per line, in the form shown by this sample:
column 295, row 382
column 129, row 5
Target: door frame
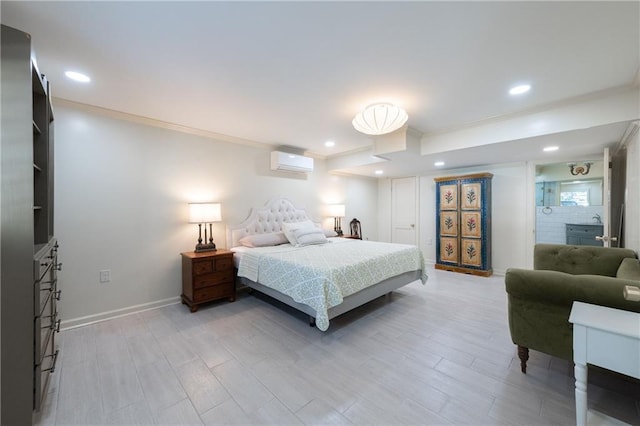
column 607, row 154
column 530, row 239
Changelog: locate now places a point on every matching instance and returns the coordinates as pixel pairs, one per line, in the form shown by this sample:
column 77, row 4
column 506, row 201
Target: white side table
column 606, row 337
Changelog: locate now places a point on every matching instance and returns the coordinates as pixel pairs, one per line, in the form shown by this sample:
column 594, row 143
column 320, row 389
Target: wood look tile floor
column 434, row 354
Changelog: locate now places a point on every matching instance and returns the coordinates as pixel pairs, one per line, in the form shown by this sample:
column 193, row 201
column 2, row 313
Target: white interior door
column 606, row 237
column 404, row 211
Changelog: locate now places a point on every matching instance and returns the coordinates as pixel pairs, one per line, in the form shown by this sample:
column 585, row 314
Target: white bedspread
column 320, row 276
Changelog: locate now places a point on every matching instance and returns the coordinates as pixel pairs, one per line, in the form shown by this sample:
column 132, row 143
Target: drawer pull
column 44, row 268
column 55, row 361
column 55, row 323
column 53, row 285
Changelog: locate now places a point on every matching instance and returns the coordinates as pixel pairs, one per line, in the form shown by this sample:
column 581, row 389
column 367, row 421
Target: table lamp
column 204, row 213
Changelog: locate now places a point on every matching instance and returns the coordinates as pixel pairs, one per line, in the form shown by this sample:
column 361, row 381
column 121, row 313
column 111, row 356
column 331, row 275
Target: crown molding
column 161, row 124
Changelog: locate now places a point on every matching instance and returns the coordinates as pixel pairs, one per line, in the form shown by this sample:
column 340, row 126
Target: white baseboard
column 103, row 316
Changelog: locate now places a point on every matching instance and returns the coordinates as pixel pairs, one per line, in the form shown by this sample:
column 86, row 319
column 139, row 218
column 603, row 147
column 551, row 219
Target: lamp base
column 205, row 247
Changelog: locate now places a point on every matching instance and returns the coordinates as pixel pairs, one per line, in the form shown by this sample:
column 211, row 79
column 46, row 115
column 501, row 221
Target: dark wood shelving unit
column 29, row 255
column 46, row 322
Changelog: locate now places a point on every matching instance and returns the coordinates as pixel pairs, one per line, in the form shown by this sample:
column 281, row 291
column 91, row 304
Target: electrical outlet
column 105, row 275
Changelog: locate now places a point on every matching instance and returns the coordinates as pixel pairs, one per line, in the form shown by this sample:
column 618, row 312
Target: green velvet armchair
column 540, row 300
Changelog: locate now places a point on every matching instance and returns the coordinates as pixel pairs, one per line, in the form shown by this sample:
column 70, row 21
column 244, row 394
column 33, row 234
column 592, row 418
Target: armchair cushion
column 589, row 260
column 629, row 269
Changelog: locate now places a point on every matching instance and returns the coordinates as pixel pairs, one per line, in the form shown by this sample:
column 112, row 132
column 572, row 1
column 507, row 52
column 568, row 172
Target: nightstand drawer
column 215, row 292
column 213, row 279
column 202, row 267
column 224, row 263
column 206, row 266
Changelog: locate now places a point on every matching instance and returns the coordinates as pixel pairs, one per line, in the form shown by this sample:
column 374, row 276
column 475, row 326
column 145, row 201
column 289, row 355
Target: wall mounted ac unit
column 287, row 162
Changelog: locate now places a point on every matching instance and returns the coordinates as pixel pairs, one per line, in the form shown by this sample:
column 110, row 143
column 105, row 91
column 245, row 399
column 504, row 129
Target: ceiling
column 296, row 73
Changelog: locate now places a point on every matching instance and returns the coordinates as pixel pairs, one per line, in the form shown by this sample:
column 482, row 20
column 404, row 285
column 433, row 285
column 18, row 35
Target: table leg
column 580, row 371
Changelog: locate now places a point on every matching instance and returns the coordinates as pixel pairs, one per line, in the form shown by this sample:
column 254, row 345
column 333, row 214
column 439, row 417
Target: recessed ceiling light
column 329, row 144
column 519, row 90
column 550, row 148
column 379, row 172
column 438, row 163
column 77, row 76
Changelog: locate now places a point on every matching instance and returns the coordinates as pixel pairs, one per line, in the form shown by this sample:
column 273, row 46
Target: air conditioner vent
column 288, row 162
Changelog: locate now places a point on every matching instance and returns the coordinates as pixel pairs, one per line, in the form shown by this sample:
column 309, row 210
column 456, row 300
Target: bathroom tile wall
column 551, row 221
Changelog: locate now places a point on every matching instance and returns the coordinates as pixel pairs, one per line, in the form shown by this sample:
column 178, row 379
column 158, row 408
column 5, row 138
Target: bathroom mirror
column 575, row 192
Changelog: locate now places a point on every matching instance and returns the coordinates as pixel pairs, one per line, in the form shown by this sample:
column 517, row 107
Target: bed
column 320, row 275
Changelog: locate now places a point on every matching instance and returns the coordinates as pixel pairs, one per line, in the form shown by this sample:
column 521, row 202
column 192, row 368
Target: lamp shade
column 204, row 212
column 380, row 119
column 336, row 210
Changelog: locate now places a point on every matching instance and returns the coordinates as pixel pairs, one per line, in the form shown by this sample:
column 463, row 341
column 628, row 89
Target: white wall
column 509, row 207
column 632, row 196
column 121, row 195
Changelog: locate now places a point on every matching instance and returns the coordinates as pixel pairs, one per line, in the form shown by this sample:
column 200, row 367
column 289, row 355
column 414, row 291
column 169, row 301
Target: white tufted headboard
column 265, row 219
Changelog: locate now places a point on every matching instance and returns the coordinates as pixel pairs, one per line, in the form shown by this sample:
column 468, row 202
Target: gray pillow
column 289, row 229
column 263, row 240
column 309, row 236
column 629, row 269
column 329, row 233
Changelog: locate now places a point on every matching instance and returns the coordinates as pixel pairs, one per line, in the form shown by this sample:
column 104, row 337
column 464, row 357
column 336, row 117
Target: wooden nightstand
column 207, row 276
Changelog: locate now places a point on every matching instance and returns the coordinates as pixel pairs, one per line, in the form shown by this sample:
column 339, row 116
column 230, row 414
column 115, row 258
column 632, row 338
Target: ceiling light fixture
column 77, row 76
column 439, row 163
column 329, row 144
column 550, row 148
column 519, row 90
column 380, row 119
column 378, row 172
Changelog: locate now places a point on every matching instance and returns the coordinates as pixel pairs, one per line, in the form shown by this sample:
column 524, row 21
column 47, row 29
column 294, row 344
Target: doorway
column 569, row 196
column 581, row 202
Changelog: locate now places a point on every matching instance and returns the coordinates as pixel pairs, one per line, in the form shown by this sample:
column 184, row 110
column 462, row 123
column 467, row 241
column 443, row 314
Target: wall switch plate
column 105, row 275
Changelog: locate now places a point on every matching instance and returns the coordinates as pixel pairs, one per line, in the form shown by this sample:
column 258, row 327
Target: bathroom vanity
column 584, row 234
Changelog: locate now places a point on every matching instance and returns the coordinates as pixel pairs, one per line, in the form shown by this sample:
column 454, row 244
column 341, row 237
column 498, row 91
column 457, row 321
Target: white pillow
column 289, row 227
column 329, row 233
column 263, row 240
column 309, row 236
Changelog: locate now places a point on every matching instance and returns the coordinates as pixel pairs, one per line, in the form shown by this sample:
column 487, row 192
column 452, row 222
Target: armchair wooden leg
column 523, row 354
